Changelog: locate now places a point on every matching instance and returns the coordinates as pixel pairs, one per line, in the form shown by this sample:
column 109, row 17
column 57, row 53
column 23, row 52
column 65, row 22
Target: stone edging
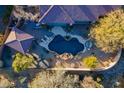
column 88, row 69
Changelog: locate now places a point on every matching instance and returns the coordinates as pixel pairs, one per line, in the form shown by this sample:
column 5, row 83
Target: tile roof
column 72, row 13
column 19, row 40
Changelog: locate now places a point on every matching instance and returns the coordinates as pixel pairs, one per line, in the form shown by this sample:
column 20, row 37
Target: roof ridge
column 15, row 28
column 15, row 32
column 21, row 31
column 25, row 39
column 46, row 12
column 21, row 47
column 66, row 13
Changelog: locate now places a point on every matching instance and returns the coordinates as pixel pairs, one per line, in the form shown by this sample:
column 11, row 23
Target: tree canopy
column 22, row 62
column 90, row 61
column 54, row 79
column 108, row 32
column 1, row 39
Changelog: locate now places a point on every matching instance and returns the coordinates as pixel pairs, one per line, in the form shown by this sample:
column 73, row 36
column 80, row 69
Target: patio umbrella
column 19, row 40
column 72, row 13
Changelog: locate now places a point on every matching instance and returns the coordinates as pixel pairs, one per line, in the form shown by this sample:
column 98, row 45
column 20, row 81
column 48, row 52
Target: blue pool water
column 60, row 45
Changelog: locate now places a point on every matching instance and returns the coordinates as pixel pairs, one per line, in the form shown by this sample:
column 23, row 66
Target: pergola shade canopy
column 69, row 14
column 19, row 40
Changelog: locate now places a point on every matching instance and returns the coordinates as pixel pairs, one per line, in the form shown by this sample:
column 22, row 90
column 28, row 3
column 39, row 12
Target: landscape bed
column 71, row 63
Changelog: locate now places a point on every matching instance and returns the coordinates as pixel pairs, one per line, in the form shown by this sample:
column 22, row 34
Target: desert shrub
column 54, row 79
column 119, row 82
column 22, row 79
column 89, row 82
column 108, row 32
column 90, row 61
column 1, row 39
column 22, row 62
column 5, row 82
column 27, row 12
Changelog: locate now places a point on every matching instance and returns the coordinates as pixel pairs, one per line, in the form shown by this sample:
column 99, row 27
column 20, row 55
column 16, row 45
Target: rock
column 106, row 63
column 72, row 65
column 5, row 82
column 89, row 82
column 65, row 56
column 77, row 65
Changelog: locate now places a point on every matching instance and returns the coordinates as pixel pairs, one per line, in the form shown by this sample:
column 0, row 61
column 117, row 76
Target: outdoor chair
column 36, row 56
column 44, row 64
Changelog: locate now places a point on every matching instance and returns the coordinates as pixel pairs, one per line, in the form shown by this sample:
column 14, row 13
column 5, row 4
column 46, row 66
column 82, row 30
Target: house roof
column 19, row 40
column 71, row 13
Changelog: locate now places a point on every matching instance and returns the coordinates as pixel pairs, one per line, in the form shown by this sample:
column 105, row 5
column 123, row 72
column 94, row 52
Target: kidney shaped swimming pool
column 60, row 45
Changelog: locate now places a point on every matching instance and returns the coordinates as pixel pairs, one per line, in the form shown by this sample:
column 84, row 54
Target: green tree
column 108, row 32
column 22, row 62
column 90, row 61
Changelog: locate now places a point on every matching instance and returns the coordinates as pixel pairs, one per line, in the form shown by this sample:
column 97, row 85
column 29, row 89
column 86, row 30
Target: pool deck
column 40, row 33
column 44, row 37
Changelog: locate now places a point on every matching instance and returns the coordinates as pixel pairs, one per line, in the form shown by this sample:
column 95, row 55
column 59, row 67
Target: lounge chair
column 46, row 37
column 44, row 64
column 36, row 56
